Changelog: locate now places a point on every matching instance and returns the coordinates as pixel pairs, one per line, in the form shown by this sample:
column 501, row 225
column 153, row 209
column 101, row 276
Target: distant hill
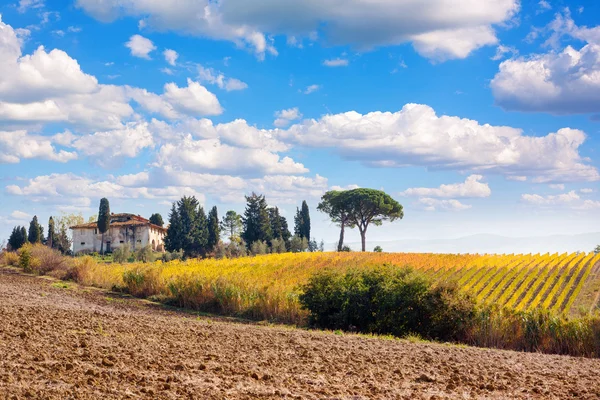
column 488, row 243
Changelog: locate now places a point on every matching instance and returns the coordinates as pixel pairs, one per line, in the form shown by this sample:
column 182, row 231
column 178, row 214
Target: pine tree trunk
column 341, row 242
column 102, row 245
column 363, row 240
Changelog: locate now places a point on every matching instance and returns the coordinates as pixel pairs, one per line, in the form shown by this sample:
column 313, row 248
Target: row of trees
column 57, row 238
column 260, row 229
column 191, row 229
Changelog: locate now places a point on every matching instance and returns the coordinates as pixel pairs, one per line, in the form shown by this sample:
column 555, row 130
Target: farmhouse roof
column 121, row 219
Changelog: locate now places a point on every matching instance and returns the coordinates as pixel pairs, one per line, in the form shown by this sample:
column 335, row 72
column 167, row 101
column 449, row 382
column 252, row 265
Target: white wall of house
column 90, row 239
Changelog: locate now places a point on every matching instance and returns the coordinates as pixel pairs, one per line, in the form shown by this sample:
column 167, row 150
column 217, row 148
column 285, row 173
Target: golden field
column 267, row 286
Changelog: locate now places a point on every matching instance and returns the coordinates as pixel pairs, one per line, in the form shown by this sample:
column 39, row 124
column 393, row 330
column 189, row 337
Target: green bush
column 121, row 254
column 25, row 258
column 170, row 256
column 144, row 254
column 387, row 300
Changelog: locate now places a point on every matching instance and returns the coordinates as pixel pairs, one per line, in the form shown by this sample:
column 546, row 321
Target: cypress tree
column 51, row 232
column 23, row 236
column 214, row 229
column 305, row 233
column 103, row 220
column 173, row 237
column 35, row 232
column 200, row 237
column 17, row 238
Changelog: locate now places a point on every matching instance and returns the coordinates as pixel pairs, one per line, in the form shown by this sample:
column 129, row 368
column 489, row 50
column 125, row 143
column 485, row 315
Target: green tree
column 35, row 231
column 378, row 249
column 257, row 226
column 214, row 230
column 24, row 235
column 369, row 206
column 597, row 249
column 173, row 240
column 17, row 238
column 51, row 232
column 188, row 228
column 103, row 220
column 333, row 205
column 157, row 219
column 200, row 238
column 298, row 244
column 302, row 222
column 231, row 224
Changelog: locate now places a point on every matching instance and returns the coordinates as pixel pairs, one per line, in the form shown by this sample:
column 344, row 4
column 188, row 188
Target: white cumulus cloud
column 170, row 56
column 471, row 187
column 140, row 46
column 285, row 117
column 416, row 136
column 558, row 82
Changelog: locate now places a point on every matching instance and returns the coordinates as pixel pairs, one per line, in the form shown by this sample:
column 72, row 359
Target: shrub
column 235, row 249
column 50, row 261
column 378, row 249
column 387, row 300
column 144, row 254
column 278, row 246
column 259, row 247
column 142, row 282
column 25, row 260
column 121, row 254
column 10, row 258
column 170, row 256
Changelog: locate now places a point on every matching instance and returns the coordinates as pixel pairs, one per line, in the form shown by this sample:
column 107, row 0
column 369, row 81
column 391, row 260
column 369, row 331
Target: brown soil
column 81, row 343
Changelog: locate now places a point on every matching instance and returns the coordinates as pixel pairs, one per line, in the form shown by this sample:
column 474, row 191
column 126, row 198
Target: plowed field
column 73, row 342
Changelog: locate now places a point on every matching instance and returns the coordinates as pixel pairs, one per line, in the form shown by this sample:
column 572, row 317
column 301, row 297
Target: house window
column 139, row 240
column 82, row 243
column 121, row 241
column 95, row 231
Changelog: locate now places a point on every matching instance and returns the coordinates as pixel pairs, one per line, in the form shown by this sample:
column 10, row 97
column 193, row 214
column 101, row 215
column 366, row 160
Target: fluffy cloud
column 108, row 148
column 170, row 56
column 218, row 78
column 471, row 187
column 71, row 189
column 285, row 117
column 140, row 46
column 445, row 44
column 194, row 99
column 336, row 62
column 559, row 82
column 439, row 29
column 50, row 86
column 568, row 200
column 416, row 136
column 38, row 76
column 214, row 156
column 429, row 204
column 195, row 17
column 17, row 145
column 279, row 189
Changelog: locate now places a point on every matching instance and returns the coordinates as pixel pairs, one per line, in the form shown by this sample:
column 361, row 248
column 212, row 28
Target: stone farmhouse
column 129, row 229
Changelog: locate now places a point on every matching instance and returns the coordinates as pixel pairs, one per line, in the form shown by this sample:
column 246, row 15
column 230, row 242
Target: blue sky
column 479, row 116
